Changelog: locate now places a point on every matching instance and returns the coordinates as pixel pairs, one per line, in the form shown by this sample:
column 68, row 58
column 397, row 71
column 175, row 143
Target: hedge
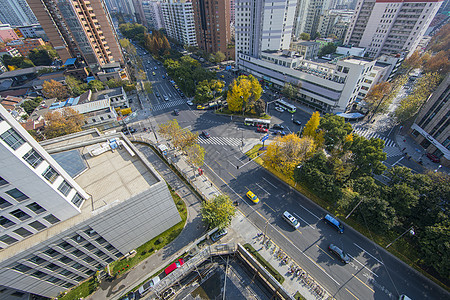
column 264, row 263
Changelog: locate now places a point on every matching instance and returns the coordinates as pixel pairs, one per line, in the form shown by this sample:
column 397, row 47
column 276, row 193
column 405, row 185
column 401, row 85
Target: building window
column 3, row 181
column 21, row 268
column 12, row 138
column 77, row 200
column 65, row 245
column 53, row 279
column 6, row 222
column 37, row 260
column 51, row 219
column 37, row 225
column 51, row 252
column 4, row 203
column 88, row 259
column 36, row 208
column 33, row 158
column 38, row 274
column 52, row 267
column 50, row 174
column 19, row 214
column 78, row 238
column 18, row 195
column 7, row 239
column 65, row 260
column 64, row 188
column 22, row 232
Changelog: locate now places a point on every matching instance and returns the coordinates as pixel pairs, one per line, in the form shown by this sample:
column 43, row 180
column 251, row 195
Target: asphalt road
column 372, row 272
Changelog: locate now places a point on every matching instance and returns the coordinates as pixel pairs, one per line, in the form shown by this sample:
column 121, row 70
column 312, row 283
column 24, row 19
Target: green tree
column 148, row 87
column 305, row 36
column 336, row 132
column 376, row 213
column 260, row 107
column 75, row 86
column 40, row 57
column 435, row 247
column 96, row 85
column 207, row 90
column 219, row 57
column 243, row 93
column 329, row 48
column 18, row 62
column 218, row 212
column 195, row 155
column 30, row 105
column 289, row 90
column 377, row 96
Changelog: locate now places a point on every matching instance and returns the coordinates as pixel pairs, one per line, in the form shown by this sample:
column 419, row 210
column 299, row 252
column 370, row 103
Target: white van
column 404, row 297
column 291, row 220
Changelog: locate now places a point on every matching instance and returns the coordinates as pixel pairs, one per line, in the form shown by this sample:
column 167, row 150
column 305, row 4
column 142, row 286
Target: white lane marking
column 368, row 253
column 303, row 220
column 362, row 265
column 263, row 189
column 231, row 164
column 310, row 212
column 237, row 158
column 398, row 161
column 273, row 227
column 269, row 182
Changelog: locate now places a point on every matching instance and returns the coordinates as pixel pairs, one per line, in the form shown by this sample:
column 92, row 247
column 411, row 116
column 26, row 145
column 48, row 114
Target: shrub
column 264, row 263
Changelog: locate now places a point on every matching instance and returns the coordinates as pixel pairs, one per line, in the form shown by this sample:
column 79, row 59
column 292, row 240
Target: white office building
column 178, row 18
column 308, row 13
column 263, row 25
column 71, row 205
column 327, row 87
column 16, row 13
column 153, row 14
column 390, row 26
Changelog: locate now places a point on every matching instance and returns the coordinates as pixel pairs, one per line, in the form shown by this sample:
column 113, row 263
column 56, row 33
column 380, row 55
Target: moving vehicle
column 189, row 102
column 156, row 68
column 279, row 109
column 279, row 132
column 206, row 134
column 201, row 107
column 404, row 297
column 146, row 286
column 343, row 257
column 333, row 222
column 289, row 107
column 291, row 220
column 252, row 197
column 176, row 112
column 261, row 129
column 166, row 98
column 256, row 122
column 278, row 126
column 157, row 94
column 218, row 234
column 174, row 266
column 297, row 122
column 127, row 130
column 153, row 73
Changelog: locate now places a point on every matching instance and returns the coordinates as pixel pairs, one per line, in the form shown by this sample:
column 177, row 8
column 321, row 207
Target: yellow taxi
column 252, row 197
column 201, row 106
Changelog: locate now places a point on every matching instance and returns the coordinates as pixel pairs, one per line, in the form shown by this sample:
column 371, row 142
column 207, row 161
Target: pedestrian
column 403, row 149
column 211, row 184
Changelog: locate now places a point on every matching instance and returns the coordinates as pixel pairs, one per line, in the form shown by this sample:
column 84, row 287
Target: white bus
column 289, row 107
column 256, row 122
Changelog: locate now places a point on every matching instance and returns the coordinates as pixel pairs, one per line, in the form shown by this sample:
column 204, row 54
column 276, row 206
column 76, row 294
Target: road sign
column 264, row 138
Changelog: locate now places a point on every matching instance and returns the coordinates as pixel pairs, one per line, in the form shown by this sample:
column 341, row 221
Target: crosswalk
column 390, row 147
column 370, row 134
column 224, row 141
column 169, row 104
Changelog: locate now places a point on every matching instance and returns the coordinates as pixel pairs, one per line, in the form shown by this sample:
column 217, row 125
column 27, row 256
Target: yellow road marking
column 364, row 283
column 218, row 164
column 269, row 207
column 325, row 252
column 232, row 175
column 351, row 293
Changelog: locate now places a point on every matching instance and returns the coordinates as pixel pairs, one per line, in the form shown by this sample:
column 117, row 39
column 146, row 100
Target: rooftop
column 110, row 178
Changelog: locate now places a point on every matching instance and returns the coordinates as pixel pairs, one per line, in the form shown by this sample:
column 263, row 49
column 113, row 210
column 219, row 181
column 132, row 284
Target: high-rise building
column 263, row 25
column 79, row 29
column 431, row 129
column 16, row 13
column 307, row 15
column 67, row 214
column 334, row 22
column 390, row 26
column 212, row 25
column 179, row 21
column 153, row 14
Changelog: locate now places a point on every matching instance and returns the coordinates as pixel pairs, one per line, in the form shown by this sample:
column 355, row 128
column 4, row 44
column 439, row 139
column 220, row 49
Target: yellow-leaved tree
column 286, row 153
column 55, row 89
column 62, row 122
column 311, row 129
column 243, row 94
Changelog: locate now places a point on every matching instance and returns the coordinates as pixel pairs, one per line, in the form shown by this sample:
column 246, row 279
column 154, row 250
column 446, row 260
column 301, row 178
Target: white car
column 280, row 109
column 149, row 284
column 189, row 102
column 166, row 98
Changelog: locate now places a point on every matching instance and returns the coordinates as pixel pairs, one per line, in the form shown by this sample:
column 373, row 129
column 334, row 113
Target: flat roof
column 109, row 178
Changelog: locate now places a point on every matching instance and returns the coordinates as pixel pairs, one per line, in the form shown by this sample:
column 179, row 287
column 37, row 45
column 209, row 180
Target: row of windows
column 5, row 222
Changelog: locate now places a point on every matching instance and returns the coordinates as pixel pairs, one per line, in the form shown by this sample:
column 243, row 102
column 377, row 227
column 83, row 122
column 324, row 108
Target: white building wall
column 178, row 18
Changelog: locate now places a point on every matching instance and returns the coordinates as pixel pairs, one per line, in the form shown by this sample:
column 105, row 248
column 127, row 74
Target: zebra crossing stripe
column 219, row 141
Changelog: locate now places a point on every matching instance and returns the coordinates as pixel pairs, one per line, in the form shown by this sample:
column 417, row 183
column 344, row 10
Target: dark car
column 156, row 94
column 181, row 94
column 278, row 126
column 297, row 122
column 176, row 112
column 343, row 257
column 206, row 134
column 433, row 158
column 279, row 132
column 218, row 235
column 127, row 130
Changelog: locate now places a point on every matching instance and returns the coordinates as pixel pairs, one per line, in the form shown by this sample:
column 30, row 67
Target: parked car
column 218, row 235
column 278, row 126
column 174, row 266
column 181, row 94
column 333, row 222
column 279, row 132
column 157, row 94
column 297, row 122
column 206, row 134
column 127, row 130
column 163, row 77
column 129, row 296
column 279, row 109
column 433, row 158
column 149, row 284
column 176, row 112
column 252, row 197
column 341, row 255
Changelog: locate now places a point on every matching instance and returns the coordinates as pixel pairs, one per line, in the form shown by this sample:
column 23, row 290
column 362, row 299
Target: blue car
column 279, row 132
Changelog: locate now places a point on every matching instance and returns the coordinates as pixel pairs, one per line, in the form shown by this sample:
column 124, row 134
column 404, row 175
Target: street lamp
column 410, row 230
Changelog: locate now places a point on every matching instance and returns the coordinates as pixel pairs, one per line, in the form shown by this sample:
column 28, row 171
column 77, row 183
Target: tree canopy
column 243, row 93
column 207, row 90
column 218, row 212
column 327, row 49
column 55, row 89
column 18, row 62
column 62, row 122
